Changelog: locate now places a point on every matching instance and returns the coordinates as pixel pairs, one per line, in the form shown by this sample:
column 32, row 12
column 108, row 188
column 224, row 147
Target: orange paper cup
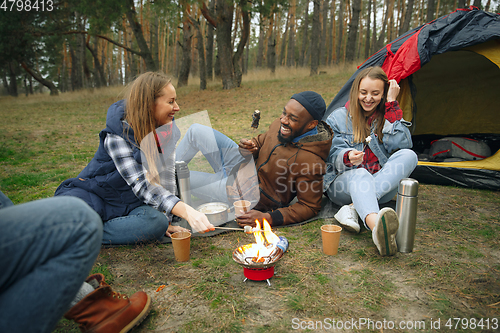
column 241, row 207
column 330, row 234
column 181, row 241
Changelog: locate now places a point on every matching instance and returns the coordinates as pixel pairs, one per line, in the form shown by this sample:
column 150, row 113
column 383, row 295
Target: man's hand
column 247, row 147
column 250, row 217
column 356, row 157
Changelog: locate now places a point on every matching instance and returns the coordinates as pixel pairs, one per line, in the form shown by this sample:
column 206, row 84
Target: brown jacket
column 289, row 171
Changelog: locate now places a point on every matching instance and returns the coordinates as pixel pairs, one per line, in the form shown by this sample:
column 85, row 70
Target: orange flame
column 269, row 237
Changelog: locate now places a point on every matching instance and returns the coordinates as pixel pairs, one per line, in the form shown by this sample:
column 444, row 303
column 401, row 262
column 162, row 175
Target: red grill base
column 259, row 274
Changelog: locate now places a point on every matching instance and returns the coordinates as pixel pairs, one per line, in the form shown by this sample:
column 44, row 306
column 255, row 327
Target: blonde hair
column 360, row 126
column 141, row 95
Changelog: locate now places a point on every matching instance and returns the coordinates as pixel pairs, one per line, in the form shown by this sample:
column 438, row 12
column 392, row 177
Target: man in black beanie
column 289, row 162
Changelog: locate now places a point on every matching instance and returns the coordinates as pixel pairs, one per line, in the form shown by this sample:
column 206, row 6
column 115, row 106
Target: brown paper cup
column 330, row 235
column 181, row 242
column 241, row 205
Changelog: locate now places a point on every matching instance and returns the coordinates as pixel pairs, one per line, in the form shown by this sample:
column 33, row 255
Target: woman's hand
column 393, row 91
column 356, row 157
column 197, row 220
column 174, row 228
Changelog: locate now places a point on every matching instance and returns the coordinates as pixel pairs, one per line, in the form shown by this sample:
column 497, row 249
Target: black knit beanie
column 312, row 102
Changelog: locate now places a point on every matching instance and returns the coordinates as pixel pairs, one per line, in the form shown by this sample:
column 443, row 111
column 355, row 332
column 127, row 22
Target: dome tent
column 449, row 74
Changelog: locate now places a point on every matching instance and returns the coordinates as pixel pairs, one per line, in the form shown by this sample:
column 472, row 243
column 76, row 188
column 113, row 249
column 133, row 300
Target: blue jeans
column 220, row 151
column 365, row 190
column 143, row 224
column 47, row 249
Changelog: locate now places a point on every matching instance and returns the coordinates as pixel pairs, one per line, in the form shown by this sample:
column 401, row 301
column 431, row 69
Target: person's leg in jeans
column 365, row 190
column 400, row 165
column 47, row 248
column 143, row 224
column 220, row 151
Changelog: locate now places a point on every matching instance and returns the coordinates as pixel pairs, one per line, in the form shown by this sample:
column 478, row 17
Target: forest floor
column 450, row 282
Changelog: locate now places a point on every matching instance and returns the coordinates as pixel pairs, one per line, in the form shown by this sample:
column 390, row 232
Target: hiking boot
column 106, row 311
column 384, row 232
column 348, row 218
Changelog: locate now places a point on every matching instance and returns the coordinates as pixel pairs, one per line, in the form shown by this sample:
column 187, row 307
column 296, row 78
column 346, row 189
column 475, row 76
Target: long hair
column 139, row 114
column 360, row 126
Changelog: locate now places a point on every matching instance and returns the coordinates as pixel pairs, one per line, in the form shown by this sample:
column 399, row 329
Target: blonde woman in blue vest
column 137, row 203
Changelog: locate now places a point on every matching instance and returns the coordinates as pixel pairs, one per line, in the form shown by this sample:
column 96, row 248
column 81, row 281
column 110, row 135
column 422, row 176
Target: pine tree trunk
column 323, row 48
column 271, row 51
column 283, row 41
column 139, row 37
column 12, row 79
column 245, row 34
column 431, row 8
column 201, row 54
column 353, row 31
column 331, row 34
column 210, row 45
column 246, row 58
column 186, row 53
column 262, row 40
column 381, row 38
column 373, row 47
column 316, row 31
column 76, row 79
column 405, row 25
column 305, row 30
column 100, row 79
column 368, row 32
column 290, row 61
column 224, row 50
column 340, row 30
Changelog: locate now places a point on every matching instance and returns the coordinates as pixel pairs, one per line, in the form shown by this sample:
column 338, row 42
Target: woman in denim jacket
column 369, row 156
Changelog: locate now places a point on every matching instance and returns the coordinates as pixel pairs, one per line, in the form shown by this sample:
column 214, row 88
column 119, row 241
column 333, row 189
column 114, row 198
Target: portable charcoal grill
column 260, row 270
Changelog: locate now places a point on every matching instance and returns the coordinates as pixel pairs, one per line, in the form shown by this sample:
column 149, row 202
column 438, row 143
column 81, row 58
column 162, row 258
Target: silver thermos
column 183, row 181
column 406, row 209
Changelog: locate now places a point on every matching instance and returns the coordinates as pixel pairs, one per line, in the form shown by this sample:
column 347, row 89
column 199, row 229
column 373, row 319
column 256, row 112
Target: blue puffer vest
column 100, row 184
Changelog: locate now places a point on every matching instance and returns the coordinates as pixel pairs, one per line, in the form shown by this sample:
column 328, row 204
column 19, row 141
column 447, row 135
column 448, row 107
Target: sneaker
column 348, row 218
column 384, row 233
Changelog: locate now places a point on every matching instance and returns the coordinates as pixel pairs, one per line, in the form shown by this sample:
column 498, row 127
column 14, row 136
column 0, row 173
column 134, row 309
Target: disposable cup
column 241, row 205
column 330, row 234
column 181, row 241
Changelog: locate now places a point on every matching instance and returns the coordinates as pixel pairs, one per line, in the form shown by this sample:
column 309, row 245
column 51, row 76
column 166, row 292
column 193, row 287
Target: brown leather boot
column 106, row 311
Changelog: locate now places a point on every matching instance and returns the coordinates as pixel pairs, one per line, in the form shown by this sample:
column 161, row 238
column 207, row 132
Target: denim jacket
column 396, row 136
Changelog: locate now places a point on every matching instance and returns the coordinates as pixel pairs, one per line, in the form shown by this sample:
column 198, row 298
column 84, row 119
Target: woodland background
column 80, row 44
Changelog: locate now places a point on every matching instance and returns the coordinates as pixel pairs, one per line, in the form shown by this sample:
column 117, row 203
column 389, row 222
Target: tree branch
column 38, row 34
column 206, row 13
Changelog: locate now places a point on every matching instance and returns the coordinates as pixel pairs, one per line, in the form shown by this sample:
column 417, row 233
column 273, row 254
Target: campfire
column 258, row 259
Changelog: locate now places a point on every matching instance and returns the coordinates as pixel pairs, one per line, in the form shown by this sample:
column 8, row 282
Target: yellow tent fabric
column 490, row 163
column 457, row 92
column 490, row 50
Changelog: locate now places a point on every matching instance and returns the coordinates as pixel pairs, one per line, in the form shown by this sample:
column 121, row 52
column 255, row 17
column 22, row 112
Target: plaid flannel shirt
column 160, row 197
